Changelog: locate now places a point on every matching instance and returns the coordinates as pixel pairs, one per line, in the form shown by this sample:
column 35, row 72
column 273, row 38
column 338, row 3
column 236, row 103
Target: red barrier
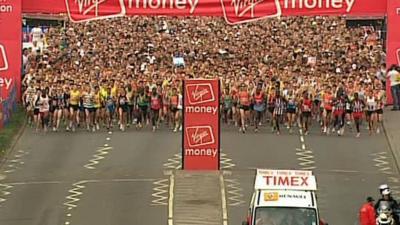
column 201, row 128
column 10, row 49
column 393, row 40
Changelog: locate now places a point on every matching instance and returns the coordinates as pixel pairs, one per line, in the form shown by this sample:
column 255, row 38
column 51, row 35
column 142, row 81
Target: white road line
column 302, row 139
column 86, row 181
column 223, row 198
column 36, row 182
column 343, row 171
column 171, row 200
column 303, row 146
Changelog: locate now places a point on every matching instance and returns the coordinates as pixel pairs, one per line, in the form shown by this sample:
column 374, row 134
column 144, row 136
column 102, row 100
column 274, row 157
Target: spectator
column 394, row 76
column 367, row 213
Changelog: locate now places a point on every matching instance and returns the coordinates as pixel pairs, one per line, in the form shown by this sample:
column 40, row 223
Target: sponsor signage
column 201, row 142
column 285, row 180
column 284, row 198
column 234, row 11
column 3, row 59
column 10, row 55
column 87, row 10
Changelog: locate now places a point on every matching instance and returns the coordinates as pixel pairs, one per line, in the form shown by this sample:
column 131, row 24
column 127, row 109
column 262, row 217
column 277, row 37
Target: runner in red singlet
column 155, row 105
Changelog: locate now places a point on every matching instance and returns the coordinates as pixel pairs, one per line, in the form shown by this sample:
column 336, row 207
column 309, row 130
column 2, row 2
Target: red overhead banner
column 234, row 11
column 201, row 128
column 10, row 55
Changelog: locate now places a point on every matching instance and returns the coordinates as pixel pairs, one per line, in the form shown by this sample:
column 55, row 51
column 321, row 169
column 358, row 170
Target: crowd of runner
column 285, row 72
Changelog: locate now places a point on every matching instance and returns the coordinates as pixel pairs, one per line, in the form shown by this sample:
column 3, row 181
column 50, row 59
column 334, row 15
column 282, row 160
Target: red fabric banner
column 234, row 11
column 393, row 40
column 10, row 52
column 201, row 128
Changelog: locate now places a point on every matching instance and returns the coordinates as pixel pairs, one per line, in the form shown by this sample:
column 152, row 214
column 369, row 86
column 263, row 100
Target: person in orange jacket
column 367, row 213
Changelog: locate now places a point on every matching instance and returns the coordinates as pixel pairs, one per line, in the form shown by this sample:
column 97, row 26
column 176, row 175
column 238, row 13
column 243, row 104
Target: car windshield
column 285, row 216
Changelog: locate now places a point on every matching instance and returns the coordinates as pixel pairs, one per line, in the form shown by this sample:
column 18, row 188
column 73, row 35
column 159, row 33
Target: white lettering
column 350, row 4
column 193, row 5
column 201, row 109
column 201, row 152
column 319, row 4
column 156, row 5
column 312, row 5
column 6, row 81
column 161, row 4
column 337, row 4
column 6, row 8
column 180, row 4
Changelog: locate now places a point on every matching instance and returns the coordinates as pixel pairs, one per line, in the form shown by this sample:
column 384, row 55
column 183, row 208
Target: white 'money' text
column 312, row 4
column 163, row 4
column 201, row 152
column 5, row 82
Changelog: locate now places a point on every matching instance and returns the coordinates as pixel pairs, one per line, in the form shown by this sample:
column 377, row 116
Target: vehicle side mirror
column 245, row 223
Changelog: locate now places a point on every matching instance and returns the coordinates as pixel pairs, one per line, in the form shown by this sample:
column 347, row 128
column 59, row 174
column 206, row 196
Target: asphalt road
column 96, row 178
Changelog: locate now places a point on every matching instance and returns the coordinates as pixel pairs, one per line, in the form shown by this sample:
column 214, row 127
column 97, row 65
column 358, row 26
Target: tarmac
column 391, row 124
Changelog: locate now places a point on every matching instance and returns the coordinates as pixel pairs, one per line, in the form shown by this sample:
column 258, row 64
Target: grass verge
column 8, row 132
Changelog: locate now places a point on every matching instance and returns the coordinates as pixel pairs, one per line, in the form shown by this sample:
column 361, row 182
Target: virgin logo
column 242, row 11
column 88, row 10
column 199, row 136
column 3, row 59
column 199, row 93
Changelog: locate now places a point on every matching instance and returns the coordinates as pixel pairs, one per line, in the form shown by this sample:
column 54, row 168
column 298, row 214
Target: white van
column 284, row 197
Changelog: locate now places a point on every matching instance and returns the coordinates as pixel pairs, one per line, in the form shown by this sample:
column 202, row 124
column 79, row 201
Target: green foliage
column 8, row 132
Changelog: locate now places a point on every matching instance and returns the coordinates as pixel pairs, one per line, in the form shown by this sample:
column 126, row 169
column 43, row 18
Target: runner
column 75, row 96
column 291, row 110
column 244, row 107
column 110, row 109
column 279, row 110
column 358, row 110
column 380, row 97
column 89, row 107
column 44, row 108
column 155, row 108
column 339, row 114
column 227, row 105
column 306, row 106
column 174, row 102
column 259, row 106
column 57, row 104
column 122, row 108
column 97, row 100
column 371, row 104
column 327, row 113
